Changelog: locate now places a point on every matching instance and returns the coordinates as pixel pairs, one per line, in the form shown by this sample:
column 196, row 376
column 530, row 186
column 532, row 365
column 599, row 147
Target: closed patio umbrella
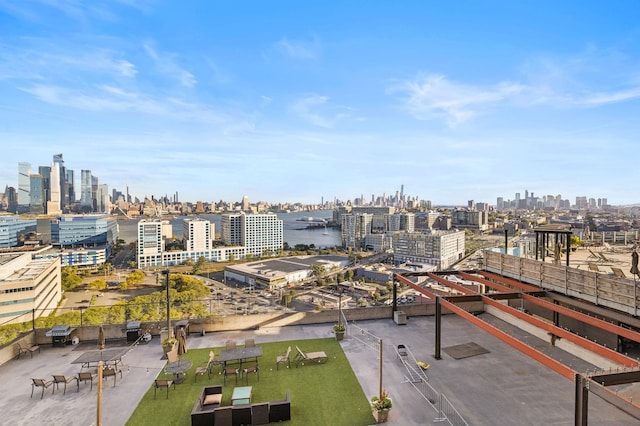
column 182, row 342
column 101, row 339
column 634, row 263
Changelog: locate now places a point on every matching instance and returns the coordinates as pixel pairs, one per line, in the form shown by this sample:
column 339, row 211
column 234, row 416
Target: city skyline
column 292, row 102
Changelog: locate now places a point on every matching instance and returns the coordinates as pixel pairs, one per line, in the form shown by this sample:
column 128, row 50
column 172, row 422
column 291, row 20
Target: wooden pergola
column 559, row 235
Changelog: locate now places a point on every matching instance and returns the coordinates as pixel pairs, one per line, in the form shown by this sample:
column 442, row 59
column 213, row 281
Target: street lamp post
column 166, row 273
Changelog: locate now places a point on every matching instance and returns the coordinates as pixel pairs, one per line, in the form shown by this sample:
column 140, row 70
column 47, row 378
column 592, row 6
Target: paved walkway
column 502, row 387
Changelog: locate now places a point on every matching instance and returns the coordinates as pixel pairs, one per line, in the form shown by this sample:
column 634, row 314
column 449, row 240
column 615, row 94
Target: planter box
column 400, row 318
column 381, row 416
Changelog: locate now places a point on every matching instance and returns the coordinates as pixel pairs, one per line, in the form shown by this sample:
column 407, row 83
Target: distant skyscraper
column 102, row 199
column 245, row 203
column 53, row 204
column 24, row 184
column 45, row 172
column 36, row 194
column 62, row 181
column 85, row 188
column 71, row 186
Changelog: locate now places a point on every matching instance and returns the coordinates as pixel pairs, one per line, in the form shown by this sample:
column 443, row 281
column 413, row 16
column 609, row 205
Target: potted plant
column 169, row 344
column 381, row 406
column 339, row 330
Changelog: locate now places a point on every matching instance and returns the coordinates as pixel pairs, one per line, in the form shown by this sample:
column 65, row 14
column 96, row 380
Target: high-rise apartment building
column 198, row 234
column 439, row 248
column 231, row 229
column 354, row 229
column 258, row 233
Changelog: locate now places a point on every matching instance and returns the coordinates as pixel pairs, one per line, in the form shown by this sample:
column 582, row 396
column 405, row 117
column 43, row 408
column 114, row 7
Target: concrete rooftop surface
column 501, row 387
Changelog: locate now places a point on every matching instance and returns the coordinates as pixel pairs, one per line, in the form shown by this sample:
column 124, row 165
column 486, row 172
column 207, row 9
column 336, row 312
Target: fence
column 444, row 408
column 600, row 289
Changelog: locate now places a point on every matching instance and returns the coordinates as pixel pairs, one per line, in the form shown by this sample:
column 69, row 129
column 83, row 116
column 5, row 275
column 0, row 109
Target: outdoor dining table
column 239, row 355
column 109, row 357
column 177, row 368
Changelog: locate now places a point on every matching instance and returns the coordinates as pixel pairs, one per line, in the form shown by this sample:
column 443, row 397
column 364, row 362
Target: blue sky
column 287, row 101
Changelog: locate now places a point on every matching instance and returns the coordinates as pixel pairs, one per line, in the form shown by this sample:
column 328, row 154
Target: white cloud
column 316, row 110
column 299, row 49
column 434, row 96
column 167, row 65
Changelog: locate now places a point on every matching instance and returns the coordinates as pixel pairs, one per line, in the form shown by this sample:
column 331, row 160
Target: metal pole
column 169, row 334
column 506, row 241
column 380, row 393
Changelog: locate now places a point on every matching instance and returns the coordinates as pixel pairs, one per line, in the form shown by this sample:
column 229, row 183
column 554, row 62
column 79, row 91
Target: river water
column 294, row 228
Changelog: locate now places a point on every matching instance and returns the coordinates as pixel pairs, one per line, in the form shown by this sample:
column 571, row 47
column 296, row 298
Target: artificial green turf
column 321, row 394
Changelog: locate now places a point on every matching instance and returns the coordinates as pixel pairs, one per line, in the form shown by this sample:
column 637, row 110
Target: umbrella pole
column 99, row 402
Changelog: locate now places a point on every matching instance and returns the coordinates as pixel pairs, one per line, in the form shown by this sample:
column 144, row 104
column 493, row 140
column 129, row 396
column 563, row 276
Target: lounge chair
column 40, row 383
column 30, row 350
column 320, row 356
column 284, row 358
column 59, row 378
column 593, row 267
column 618, row 272
column 208, row 367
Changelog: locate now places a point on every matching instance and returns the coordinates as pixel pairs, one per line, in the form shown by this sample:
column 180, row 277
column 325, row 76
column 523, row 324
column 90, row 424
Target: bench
column 255, row 414
column 203, row 410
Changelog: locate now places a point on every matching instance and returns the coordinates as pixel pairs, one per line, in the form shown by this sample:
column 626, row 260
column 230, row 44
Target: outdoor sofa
column 203, row 410
column 255, row 413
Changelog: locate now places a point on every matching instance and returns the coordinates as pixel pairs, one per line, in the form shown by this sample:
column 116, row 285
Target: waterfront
column 294, row 228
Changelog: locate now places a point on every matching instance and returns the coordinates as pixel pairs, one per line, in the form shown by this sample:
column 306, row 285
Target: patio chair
column 59, row 378
column 230, row 344
column 162, row 383
column 319, row 356
column 230, row 371
column 86, row 376
column 30, row 350
column 40, row 383
column 252, row 369
column 208, row 367
column 284, row 358
column 109, row 371
column 249, row 343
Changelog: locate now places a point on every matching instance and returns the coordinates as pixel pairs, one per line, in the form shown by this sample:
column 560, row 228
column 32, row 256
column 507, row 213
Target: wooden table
column 241, row 395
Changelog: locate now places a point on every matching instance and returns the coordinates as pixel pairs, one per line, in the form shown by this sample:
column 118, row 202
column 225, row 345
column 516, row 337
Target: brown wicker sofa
column 203, row 410
column 256, row 413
